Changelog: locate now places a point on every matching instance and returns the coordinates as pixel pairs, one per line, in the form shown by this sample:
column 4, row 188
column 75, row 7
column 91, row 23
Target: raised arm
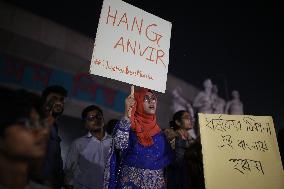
column 121, row 131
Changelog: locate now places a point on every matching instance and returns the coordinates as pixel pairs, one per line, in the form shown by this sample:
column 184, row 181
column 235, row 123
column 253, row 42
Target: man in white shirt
column 85, row 162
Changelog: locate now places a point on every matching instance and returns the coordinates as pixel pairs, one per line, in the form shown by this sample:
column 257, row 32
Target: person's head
column 20, row 125
column 235, row 94
column 53, row 100
column 181, row 120
column 208, row 84
column 93, row 118
column 146, row 101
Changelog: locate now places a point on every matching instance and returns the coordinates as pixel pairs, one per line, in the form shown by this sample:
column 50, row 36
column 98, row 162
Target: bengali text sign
column 240, row 151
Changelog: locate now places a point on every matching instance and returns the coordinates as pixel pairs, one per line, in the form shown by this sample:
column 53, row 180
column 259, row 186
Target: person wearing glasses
column 51, row 166
column 23, row 138
column 144, row 150
column 85, row 161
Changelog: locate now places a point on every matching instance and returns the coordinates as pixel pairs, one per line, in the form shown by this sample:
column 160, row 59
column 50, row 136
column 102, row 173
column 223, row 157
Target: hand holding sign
column 129, row 103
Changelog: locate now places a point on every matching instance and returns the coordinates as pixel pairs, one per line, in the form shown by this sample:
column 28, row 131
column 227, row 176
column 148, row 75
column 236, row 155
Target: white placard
column 131, row 46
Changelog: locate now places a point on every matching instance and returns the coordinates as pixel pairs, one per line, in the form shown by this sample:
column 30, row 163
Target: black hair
column 16, row 105
column 90, row 108
column 53, row 89
column 177, row 117
column 110, row 126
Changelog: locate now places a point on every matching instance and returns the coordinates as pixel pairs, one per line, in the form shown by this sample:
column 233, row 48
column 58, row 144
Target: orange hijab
column 144, row 125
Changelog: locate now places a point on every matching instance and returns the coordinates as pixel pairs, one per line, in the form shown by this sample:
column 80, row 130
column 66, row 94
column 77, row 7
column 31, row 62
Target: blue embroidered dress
column 134, row 165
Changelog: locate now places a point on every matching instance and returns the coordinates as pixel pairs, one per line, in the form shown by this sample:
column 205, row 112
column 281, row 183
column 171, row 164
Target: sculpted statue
column 203, row 102
column 180, row 103
column 234, row 106
column 218, row 102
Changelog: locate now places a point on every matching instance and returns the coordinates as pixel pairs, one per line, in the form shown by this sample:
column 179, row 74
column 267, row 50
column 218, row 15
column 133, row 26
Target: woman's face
column 185, row 122
column 150, row 103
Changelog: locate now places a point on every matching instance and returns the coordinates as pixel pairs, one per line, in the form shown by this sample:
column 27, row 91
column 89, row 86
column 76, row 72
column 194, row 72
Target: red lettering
column 138, row 28
column 149, row 53
column 129, row 45
column 143, row 51
column 124, row 21
column 126, row 70
column 159, row 56
column 157, row 36
column 120, row 42
column 110, row 16
column 150, row 56
column 98, row 61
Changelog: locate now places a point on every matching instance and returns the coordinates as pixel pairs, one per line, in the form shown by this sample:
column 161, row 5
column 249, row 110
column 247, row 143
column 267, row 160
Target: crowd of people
column 133, row 152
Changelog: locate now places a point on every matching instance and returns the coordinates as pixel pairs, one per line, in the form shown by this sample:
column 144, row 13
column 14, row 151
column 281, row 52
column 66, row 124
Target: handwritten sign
column 240, row 151
column 131, row 46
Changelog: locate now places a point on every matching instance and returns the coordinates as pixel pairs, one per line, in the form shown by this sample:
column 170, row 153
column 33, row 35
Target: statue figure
column 218, row 103
column 203, row 101
column 180, row 103
column 234, row 106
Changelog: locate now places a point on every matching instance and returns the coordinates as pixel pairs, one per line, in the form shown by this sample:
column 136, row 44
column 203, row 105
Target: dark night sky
column 239, row 46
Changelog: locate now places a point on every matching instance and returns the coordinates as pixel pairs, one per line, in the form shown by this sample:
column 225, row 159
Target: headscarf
column 144, row 125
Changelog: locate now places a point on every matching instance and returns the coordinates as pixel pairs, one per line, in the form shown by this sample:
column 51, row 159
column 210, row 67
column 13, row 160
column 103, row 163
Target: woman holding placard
column 140, row 151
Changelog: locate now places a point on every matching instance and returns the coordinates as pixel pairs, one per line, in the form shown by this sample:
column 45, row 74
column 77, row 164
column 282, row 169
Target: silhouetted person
column 53, row 100
column 23, row 138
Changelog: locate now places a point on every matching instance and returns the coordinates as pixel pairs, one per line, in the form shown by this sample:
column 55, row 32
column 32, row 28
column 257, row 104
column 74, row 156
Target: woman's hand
column 129, row 103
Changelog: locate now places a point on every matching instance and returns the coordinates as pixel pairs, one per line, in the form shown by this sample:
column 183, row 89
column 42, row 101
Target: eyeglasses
column 94, row 117
column 149, row 99
column 29, row 124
